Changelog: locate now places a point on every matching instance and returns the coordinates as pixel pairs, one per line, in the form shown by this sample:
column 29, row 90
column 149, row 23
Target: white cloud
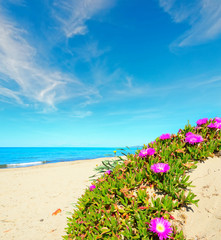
column 131, row 89
column 129, row 82
column 6, row 93
column 81, row 114
column 203, row 16
column 206, row 82
column 24, row 76
column 73, row 14
column 116, row 83
column 90, row 51
column 24, row 79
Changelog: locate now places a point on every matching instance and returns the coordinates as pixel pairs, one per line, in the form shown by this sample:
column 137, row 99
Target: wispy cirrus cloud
column 8, row 95
column 73, row 14
column 90, row 51
column 81, row 114
column 181, row 86
column 31, row 80
column 207, row 82
column 24, row 78
column 203, row 16
column 131, row 88
column 115, row 83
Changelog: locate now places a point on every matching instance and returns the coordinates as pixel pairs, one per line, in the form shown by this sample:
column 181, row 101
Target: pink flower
column 165, row 136
column 202, row 121
column 161, row 227
column 211, row 125
column 108, row 172
column 193, row 138
column 160, row 167
column 92, row 187
column 189, row 134
column 216, row 125
column 217, row 119
column 146, row 152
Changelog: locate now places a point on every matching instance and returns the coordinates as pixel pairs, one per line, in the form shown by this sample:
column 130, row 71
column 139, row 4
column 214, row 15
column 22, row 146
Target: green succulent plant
column 125, row 200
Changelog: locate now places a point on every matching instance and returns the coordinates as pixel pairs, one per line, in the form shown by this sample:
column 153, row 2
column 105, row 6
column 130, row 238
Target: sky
column 106, row 73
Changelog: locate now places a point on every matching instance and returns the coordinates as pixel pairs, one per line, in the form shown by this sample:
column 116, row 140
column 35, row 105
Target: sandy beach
column 29, row 196
column 204, row 222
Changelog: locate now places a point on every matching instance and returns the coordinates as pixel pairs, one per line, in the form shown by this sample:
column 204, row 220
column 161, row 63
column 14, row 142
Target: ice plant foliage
column 161, row 227
column 149, row 145
column 100, row 210
column 165, row 136
column 160, row 167
column 146, row 152
column 201, row 121
column 92, row 187
column 193, row 138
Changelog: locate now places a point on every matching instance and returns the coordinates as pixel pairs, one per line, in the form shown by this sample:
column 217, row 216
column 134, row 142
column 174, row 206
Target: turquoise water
column 29, row 156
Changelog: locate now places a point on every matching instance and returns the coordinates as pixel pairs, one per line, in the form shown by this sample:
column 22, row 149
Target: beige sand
column 29, row 196
column 204, row 222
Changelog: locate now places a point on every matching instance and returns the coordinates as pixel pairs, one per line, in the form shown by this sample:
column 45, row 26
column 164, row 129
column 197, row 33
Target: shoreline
column 42, row 163
column 58, row 164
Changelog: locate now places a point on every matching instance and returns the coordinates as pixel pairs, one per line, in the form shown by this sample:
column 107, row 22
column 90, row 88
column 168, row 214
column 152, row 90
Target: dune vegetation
column 134, row 197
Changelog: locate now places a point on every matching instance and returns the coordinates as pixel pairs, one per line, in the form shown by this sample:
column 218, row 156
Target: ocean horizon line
column 14, row 157
column 138, row 146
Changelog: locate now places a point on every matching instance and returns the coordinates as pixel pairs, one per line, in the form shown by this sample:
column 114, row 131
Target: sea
column 14, row 157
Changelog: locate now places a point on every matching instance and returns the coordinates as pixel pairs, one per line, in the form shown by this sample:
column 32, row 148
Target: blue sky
column 108, row 73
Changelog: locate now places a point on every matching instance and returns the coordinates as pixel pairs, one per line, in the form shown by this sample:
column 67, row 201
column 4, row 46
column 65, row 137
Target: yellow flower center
column 160, row 227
